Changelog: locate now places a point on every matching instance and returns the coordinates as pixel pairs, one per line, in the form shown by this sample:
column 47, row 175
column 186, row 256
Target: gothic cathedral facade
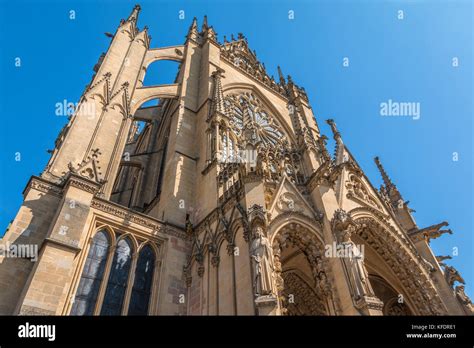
column 226, row 201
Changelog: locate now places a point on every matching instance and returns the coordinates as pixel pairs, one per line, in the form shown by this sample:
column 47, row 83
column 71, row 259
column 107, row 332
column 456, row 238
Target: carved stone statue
column 261, row 255
column 357, row 271
column 343, row 227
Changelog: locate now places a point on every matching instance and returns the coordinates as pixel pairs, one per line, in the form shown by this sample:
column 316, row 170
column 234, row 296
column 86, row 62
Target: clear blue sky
column 407, row 60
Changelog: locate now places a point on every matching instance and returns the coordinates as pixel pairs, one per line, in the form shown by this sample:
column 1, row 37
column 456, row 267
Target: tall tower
column 221, row 199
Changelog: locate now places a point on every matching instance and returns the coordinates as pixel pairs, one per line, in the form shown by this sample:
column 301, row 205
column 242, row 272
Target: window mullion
column 105, row 280
column 131, row 279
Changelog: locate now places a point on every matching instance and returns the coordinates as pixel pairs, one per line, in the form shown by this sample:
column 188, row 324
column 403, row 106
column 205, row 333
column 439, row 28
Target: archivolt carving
column 405, row 264
column 295, row 234
column 307, row 301
column 297, row 218
column 394, row 308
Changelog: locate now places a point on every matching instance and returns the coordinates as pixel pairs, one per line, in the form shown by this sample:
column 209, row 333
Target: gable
column 288, row 198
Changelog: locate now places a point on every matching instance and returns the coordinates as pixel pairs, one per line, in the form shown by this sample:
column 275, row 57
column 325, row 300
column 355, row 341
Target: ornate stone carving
column 295, row 234
column 215, row 260
column 342, row 226
column 200, row 270
column 403, row 259
column 306, row 301
column 256, row 213
column 230, row 248
column 359, row 192
column 135, row 217
column 250, row 120
column 394, row 308
column 83, row 184
column 239, row 54
column 324, row 175
column 89, row 168
column 289, row 201
column 464, row 299
column 187, row 276
column 44, row 186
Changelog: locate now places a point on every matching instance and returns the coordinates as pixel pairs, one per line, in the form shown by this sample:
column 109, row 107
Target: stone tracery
column 250, row 119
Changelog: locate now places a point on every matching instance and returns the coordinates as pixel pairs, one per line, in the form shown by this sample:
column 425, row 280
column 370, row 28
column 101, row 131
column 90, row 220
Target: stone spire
column 207, row 31
column 204, row 24
column 282, row 78
column 193, row 30
column 217, row 94
column 389, row 189
column 134, row 15
column 335, row 132
column 339, row 152
column 389, row 185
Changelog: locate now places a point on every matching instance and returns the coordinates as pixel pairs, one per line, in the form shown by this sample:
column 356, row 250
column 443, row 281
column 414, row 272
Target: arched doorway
column 301, row 277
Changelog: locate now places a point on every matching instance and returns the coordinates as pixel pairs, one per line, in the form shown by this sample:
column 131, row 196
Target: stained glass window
column 92, row 274
column 118, row 278
column 142, row 284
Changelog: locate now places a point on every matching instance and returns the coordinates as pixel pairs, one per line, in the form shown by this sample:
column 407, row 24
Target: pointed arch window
column 118, row 278
column 105, row 285
column 141, row 291
column 231, row 149
column 228, row 147
column 92, row 275
column 224, row 147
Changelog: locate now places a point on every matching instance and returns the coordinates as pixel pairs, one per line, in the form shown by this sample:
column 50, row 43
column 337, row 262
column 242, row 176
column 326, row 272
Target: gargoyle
column 441, row 258
column 431, row 232
column 452, row 275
